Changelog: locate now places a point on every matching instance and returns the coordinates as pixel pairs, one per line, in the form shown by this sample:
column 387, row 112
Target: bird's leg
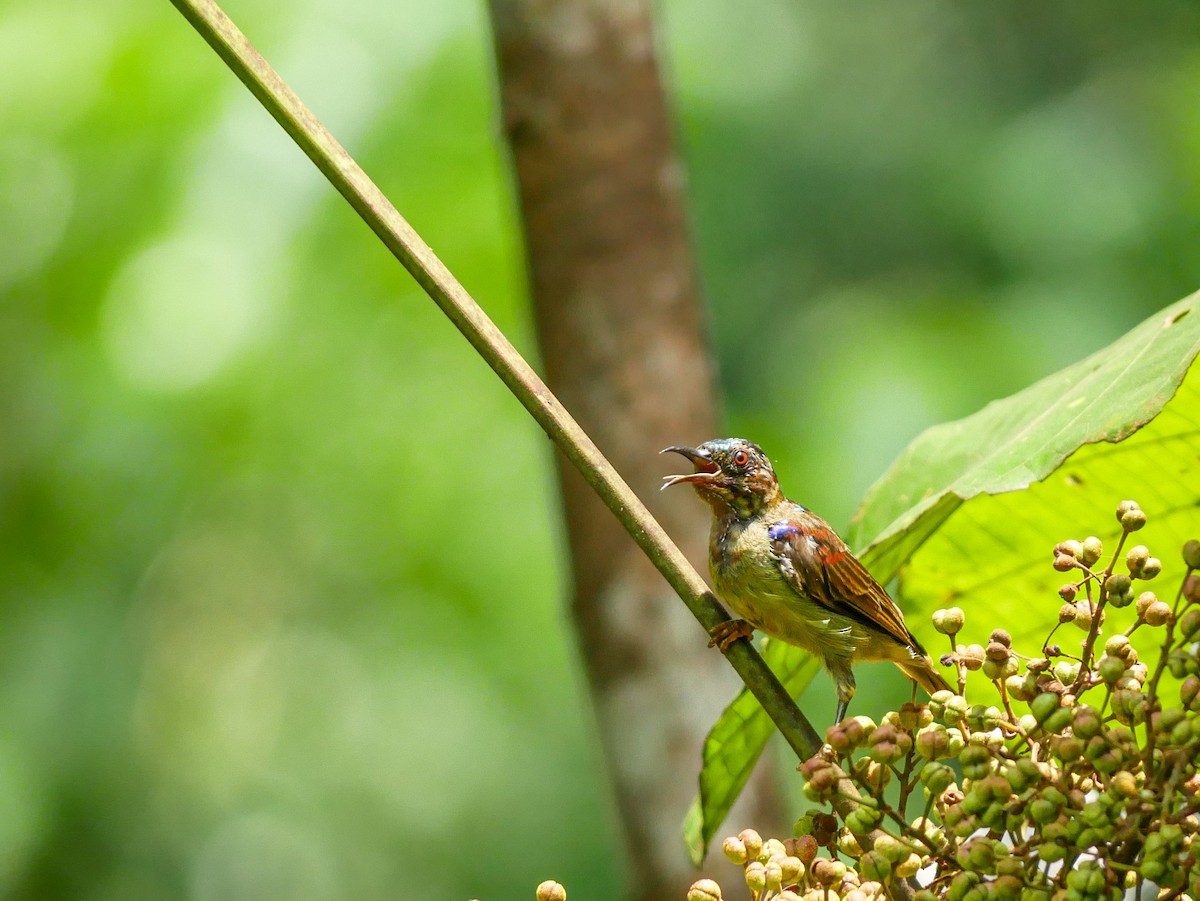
column 843, row 681
column 726, row 633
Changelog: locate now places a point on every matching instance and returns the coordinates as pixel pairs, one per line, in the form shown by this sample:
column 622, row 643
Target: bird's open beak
column 706, row 469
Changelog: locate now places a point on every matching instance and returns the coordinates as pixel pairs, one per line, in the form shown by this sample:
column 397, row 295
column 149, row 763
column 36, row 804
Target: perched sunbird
column 785, row 571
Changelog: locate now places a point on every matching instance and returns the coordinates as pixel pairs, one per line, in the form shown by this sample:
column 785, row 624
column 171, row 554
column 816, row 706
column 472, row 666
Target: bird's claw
column 726, row 633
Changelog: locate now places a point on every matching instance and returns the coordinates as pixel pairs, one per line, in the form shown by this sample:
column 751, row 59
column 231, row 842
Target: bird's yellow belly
column 762, row 597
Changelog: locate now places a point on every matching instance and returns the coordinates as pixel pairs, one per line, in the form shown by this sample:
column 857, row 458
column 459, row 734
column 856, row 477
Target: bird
column 785, row 571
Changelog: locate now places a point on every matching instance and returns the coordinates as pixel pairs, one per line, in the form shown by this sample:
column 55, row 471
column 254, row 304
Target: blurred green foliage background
column 282, row 608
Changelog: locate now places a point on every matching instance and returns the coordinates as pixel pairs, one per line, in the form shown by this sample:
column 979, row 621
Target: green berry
column 1117, row 583
column 755, row 876
column 937, row 777
column 1044, row 705
column 1066, row 671
column 949, row 621
column 1111, row 669
column 1133, row 520
column 1191, row 554
column 1085, row 722
column 1189, row 693
column 875, row 866
column 933, row 742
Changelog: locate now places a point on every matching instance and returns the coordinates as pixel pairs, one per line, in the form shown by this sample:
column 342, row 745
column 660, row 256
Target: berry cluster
column 1077, row 781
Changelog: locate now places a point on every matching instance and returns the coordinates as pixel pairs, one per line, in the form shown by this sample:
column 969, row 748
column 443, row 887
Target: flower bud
column 1002, row 636
column 1066, row 671
column 976, row 761
column 1068, row 592
column 998, row 669
column 847, row 843
column 1191, row 588
column 1124, row 783
column 1116, row 645
column 1017, row 688
column 735, row 850
column 1111, row 669
column 827, row 871
column 972, row 656
column 1189, row 624
column 1066, row 748
column 752, row 842
column 1070, row 548
column 1120, row 598
column 1151, row 568
column 937, row 777
column 1191, row 554
column 1066, row 613
column 949, row 621
column 1093, row 547
column 1064, row 563
column 773, row 849
column 774, row 874
column 908, row 867
column 1086, row 722
column 1158, row 614
column 791, row 867
column 756, row 876
column 553, row 891
column 1117, row 583
column 701, row 890
column 1129, row 707
column 875, row 866
column 1145, row 599
column 1189, row 693
column 1084, row 613
column 1133, row 520
column 1044, row 705
column 1136, row 559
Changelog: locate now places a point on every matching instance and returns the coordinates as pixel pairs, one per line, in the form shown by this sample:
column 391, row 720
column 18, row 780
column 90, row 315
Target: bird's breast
column 747, row 576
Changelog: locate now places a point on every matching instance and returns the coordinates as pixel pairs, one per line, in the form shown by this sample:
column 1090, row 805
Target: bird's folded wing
column 819, row 565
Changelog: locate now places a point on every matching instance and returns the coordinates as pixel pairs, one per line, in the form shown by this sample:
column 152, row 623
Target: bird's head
column 732, row 475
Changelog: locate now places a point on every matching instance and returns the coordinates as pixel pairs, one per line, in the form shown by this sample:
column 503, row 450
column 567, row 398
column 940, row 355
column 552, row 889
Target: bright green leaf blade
column 734, row 745
column 1015, row 442
column 993, row 557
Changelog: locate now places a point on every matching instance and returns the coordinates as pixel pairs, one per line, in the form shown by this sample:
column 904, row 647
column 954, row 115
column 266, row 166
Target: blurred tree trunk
column 623, row 340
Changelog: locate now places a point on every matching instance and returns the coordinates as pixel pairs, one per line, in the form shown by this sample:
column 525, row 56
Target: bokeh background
column 280, row 577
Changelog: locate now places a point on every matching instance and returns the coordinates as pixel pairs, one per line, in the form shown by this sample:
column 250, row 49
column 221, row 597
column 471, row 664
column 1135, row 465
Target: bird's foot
column 726, row 633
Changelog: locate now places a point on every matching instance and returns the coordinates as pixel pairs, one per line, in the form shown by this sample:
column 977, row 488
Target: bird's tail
column 923, row 673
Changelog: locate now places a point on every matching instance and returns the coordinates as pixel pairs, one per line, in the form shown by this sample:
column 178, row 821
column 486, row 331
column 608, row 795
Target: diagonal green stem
column 406, row 245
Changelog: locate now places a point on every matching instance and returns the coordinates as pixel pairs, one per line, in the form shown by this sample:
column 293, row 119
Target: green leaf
column 734, row 745
column 992, row 558
column 1012, row 443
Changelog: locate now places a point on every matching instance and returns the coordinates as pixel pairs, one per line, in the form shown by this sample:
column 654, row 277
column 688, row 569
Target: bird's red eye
column 741, row 458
